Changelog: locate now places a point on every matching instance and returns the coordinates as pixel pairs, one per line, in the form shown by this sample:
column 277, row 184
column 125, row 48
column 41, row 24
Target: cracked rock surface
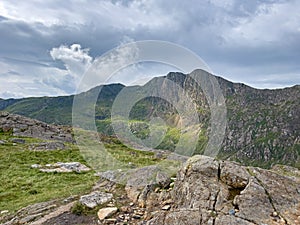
column 214, row 192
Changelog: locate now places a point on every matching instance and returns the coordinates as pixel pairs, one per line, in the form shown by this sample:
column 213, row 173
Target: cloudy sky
column 46, row 46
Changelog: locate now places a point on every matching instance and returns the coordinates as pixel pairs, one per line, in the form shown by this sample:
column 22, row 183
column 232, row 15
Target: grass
column 110, row 153
column 21, row 185
column 132, row 157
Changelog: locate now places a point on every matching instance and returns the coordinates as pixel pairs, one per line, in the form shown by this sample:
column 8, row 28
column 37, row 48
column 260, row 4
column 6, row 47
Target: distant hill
column 56, row 110
column 263, row 125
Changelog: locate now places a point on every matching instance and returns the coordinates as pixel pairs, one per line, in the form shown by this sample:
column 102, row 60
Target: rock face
column 25, row 127
column 211, row 192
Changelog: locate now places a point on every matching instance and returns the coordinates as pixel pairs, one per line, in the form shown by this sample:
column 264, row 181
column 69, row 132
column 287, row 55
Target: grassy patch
column 131, row 157
column 21, row 185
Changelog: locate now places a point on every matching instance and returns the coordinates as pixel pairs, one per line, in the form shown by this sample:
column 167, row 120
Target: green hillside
column 263, row 126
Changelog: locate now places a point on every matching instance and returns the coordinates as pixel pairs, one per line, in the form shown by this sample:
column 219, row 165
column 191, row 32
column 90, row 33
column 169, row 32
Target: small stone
column 18, row 140
column 131, row 204
column 166, row 207
column 4, row 212
column 112, row 220
column 125, row 209
column 35, row 166
column 122, row 217
column 135, row 216
column 156, row 190
column 106, row 212
column 173, row 179
column 231, row 212
column 275, row 214
column 110, row 205
column 126, row 218
column 140, row 213
column 167, row 202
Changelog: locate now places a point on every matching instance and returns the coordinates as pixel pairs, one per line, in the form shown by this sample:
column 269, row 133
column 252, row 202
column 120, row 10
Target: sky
column 47, row 46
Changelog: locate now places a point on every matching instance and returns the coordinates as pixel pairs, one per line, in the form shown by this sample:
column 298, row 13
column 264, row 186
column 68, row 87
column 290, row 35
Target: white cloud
column 75, row 59
column 104, row 67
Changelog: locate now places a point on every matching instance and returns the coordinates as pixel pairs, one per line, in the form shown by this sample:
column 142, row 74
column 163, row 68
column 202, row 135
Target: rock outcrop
column 61, row 167
column 25, row 127
column 214, row 192
column 205, row 191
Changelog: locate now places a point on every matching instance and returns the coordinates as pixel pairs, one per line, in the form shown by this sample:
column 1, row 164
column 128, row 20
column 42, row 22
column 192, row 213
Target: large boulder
column 208, row 191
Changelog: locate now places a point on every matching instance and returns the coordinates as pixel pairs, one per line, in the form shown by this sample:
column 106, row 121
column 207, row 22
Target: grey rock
column 207, row 191
column 61, row 167
column 18, row 140
column 25, row 127
column 106, row 212
column 30, row 218
column 140, row 182
column 48, row 146
column 95, row 198
column 32, row 213
column 166, row 207
column 231, row 212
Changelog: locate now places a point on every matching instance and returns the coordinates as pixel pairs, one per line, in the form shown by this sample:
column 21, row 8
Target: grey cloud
column 213, row 29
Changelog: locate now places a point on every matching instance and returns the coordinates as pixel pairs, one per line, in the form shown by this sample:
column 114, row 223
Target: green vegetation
column 133, row 158
column 22, row 185
column 263, row 124
column 171, row 139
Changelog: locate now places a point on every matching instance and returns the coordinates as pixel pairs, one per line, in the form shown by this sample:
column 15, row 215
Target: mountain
column 263, row 126
column 57, row 110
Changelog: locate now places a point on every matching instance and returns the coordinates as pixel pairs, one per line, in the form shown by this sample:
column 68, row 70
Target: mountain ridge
column 263, row 125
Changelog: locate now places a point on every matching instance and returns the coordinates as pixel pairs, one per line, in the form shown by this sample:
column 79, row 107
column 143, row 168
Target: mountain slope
column 58, row 110
column 263, row 126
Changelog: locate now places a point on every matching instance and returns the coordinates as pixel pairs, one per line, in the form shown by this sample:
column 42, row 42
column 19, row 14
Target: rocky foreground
column 210, row 192
column 204, row 191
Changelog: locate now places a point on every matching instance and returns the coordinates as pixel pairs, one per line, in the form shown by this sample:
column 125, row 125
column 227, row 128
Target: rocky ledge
column 214, row 192
column 26, row 127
